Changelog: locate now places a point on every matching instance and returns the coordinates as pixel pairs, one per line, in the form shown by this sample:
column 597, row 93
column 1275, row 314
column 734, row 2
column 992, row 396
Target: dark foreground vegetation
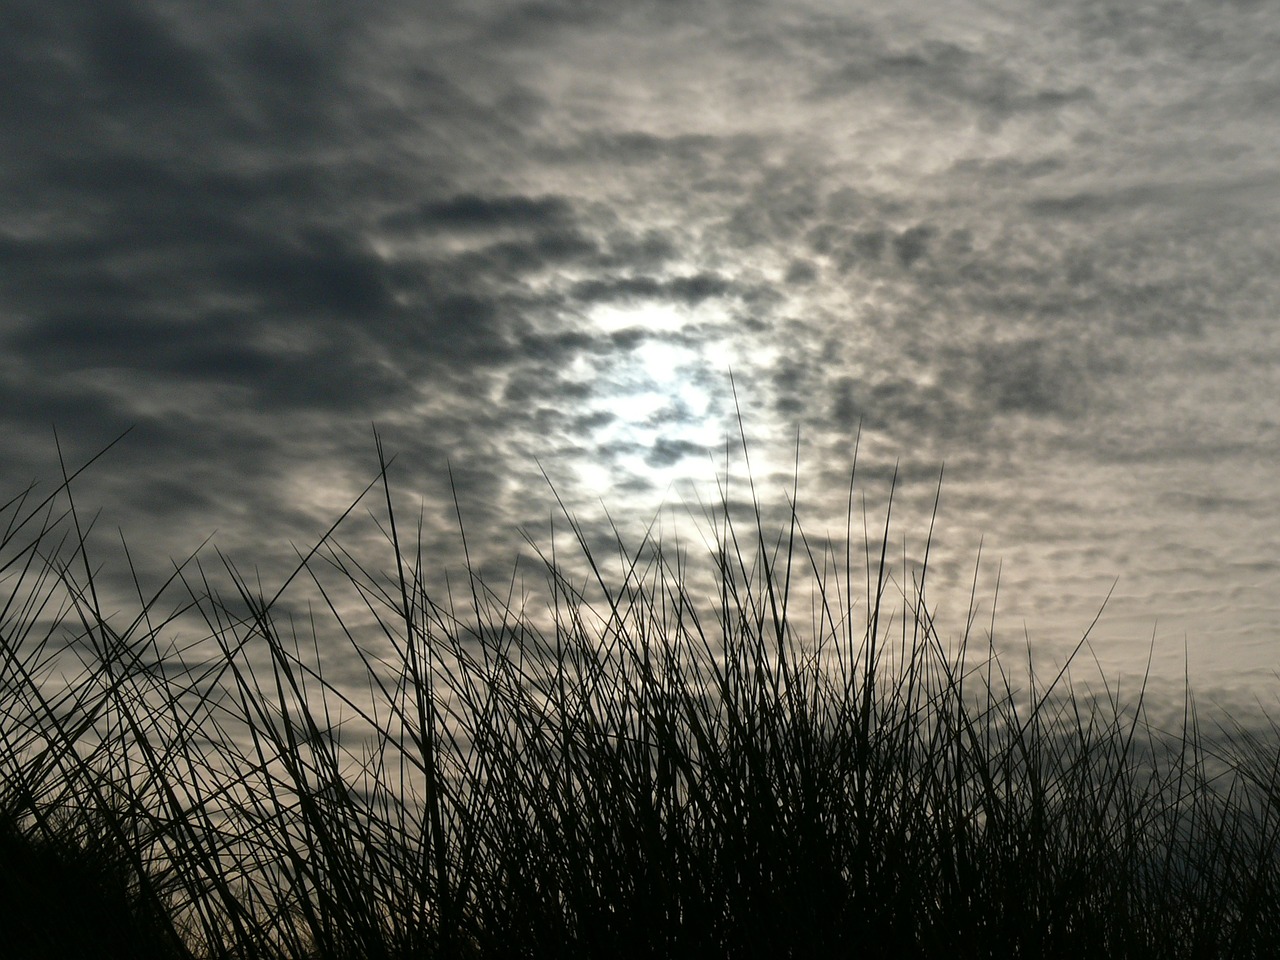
column 793, row 762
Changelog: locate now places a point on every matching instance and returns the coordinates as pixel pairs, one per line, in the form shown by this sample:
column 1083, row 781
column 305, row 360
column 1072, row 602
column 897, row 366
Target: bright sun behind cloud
column 659, row 396
column 649, row 317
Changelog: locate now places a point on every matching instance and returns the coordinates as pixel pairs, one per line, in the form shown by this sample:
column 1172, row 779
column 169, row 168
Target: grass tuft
column 757, row 757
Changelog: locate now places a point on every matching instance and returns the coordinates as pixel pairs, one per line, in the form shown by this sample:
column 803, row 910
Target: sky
column 1030, row 246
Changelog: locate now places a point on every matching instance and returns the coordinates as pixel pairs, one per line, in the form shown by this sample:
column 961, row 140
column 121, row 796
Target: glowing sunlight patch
column 651, row 317
column 659, row 394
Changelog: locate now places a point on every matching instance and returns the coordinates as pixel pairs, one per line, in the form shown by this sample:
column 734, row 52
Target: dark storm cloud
column 318, row 272
column 185, row 250
column 556, row 347
column 667, row 452
column 132, row 56
column 96, row 316
column 141, row 220
column 179, row 75
column 71, row 58
column 33, row 405
column 690, row 290
column 506, row 259
column 474, row 212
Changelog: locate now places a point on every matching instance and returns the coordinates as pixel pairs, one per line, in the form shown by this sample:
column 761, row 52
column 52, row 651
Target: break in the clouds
column 1034, row 243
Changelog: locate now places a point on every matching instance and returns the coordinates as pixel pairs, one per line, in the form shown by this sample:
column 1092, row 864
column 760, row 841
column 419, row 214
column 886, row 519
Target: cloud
column 912, row 244
column 471, row 212
column 1036, row 376
column 936, row 74
column 318, row 272
column 690, row 290
column 800, row 272
column 253, row 230
column 666, row 452
column 130, row 56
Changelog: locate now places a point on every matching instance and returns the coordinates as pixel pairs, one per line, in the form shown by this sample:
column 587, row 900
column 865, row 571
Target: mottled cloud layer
column 1036, row 244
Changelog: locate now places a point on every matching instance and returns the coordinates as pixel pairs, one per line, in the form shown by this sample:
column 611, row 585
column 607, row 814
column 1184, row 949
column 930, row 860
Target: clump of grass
column 790, row 764
column 66, row 890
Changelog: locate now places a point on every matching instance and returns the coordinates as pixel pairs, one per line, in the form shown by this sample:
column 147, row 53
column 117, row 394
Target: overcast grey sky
column 1034, row 242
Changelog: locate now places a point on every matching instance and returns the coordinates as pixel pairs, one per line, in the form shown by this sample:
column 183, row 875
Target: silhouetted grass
column 795, row 763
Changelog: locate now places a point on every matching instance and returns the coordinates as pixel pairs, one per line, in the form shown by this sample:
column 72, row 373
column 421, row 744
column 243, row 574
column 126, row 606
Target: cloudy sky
column 1032, row 242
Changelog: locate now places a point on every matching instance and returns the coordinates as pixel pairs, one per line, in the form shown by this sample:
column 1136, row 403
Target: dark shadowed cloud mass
column 1035, row 243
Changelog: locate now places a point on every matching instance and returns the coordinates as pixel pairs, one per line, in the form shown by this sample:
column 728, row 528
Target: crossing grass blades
column 639, row 767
